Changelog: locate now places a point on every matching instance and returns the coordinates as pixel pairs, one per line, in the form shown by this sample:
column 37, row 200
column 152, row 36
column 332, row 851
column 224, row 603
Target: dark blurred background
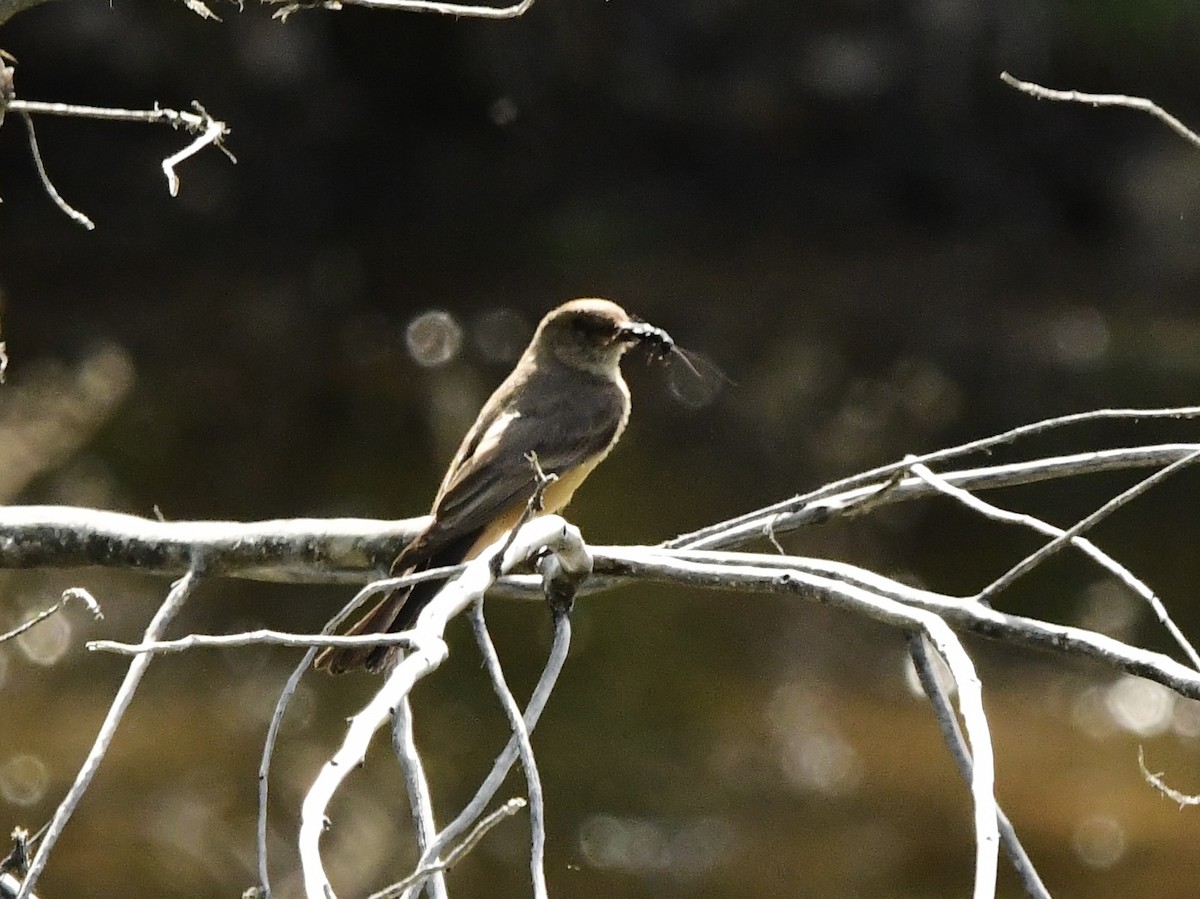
column 839, row 204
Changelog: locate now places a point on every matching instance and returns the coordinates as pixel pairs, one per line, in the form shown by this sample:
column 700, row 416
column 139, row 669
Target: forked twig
column 533, row 781
column 952, row 734
column 1083, row 525
column 1133, row 583
column 179, row 593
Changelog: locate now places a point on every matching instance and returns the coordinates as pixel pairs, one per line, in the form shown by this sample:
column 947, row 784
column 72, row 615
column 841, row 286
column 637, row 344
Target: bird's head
column 594, row 334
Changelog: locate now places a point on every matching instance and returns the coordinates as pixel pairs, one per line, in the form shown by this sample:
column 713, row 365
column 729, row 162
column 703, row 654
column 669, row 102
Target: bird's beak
column 658, row 340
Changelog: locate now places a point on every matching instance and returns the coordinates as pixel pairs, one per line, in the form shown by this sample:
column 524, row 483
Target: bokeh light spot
column 682, row 850
column 1078, row 337
column 23, row 779
column 502, row 334
column 1099, row 841
column 809, row 750
column 46, row 642
column 433, row 338
column 1140, row 706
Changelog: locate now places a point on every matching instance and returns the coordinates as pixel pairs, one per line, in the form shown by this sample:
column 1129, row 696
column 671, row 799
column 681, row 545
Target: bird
column 566, row 404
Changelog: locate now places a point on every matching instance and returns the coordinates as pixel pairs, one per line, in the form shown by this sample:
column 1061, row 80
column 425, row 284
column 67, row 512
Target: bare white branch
column 299, row 550
column 710, row 537
column 260, row 637
column 944, row 713
column 814, row 579
column 533, row 781
column 429, row 652
column 1141, row 104
column 48, row 185
column 420, row 800
column 179, row 593
column 826, row 503
column 1135, row 584
column 970, row 705
column 1121, row 499
column 209, row 131
column 459, row 10
column 346, row 550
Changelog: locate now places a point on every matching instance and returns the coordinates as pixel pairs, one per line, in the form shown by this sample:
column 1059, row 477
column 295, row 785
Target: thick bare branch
column 823, row 581
column 349, row 550
column 459, row 10
column 334, row 550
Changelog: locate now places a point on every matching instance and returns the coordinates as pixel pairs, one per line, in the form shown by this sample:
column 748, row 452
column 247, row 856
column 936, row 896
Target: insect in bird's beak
column 656, row 340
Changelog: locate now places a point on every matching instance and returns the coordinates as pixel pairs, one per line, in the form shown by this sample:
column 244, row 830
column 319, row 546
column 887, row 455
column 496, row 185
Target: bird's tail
column 380, row 620
column 397, row 611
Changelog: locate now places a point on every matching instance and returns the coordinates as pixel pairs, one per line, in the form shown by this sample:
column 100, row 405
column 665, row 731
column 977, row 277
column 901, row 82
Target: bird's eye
column 594, row 328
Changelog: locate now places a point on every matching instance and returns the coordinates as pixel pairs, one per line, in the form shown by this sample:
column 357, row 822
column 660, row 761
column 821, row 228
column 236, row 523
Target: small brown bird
column 565, row 401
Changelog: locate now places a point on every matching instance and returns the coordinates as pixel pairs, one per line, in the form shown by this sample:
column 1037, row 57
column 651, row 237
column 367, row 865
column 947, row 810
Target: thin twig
column 1121, row 499
column 533, row 782
column 209, row 131
column 261, row 637
column 214, row 132
column 500, row 768
column 47, row 184
column 178, row 594
column 420, row 799
column 1156, row 781
column 71, row 593
column 720, row 534
column 469, row 842
column 1133, row 583
column 548, row 531
column 541, row 481
column 285, row 698
column 944, row 713
column 1141, row 104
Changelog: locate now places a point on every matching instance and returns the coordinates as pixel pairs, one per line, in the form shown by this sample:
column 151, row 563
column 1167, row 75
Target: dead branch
column 1141, row 104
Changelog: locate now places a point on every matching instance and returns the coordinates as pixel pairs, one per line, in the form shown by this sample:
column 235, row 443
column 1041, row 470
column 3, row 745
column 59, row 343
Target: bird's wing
column 492, row 473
